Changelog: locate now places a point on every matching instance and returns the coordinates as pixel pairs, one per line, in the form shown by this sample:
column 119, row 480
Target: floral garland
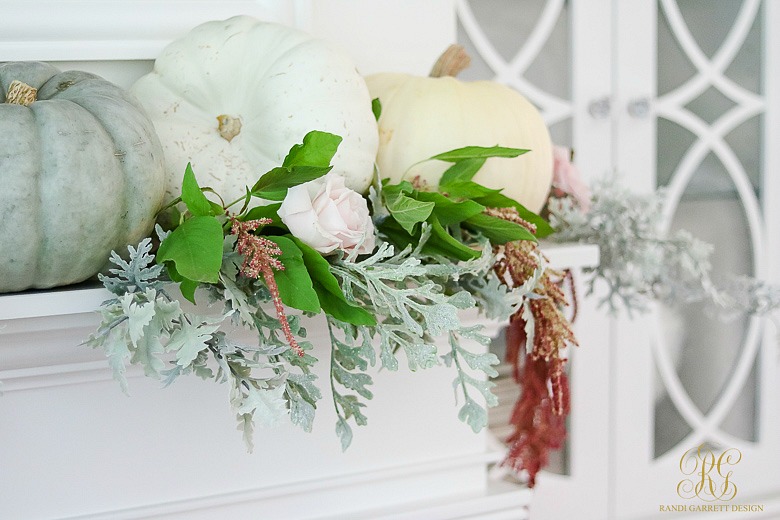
column 393, row 271
column 389, row 273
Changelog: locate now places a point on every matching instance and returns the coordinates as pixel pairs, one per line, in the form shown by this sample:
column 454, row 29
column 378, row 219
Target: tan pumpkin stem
column 20, row 93
column 451, row 63
column 229, row 127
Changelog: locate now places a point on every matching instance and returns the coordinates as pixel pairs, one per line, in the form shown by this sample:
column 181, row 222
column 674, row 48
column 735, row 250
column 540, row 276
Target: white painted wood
column 388, row 35
column 643, row 482
column 183, row 440
column 91, row 30
column 582, row 492
column 591, row 47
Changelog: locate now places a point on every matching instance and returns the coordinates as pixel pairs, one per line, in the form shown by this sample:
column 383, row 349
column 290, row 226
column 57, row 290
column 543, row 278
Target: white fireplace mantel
column 73, row 446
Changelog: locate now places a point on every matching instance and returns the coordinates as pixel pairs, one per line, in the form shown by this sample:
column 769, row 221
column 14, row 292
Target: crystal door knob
column 639, row 108
column 600, row 108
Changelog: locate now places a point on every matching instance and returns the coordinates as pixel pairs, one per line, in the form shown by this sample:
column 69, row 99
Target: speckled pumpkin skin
column 279, row 82
column 81, row 174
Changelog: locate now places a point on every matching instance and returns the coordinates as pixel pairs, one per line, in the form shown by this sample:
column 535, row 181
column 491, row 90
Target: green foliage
column 436, row 262
column 195, row 249
column 305, row 162
column 497, row 230
column 139, row 274
column 376, row 108
column 192, row 195
column 472, row 412
column 460, row 203
column 478, row 152
column 407, row 211
column 294, row 282
column 351, row 354
column 462, row 171
column 331, row 298
column 317, row 150
column 267, row 211
column 144, row 326
column 640, row 261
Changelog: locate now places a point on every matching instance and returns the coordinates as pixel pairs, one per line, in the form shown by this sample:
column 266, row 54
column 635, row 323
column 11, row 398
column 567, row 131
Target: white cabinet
column 682, row 94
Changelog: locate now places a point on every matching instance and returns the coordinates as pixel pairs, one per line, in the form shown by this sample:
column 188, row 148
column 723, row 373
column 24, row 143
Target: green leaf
column 189, row 340
column 376, row 108
column 266, row 405
column 420, row 355
column 274, row 184
column 216, row 209
column 294, row 282
column 193, row 196
column 478, row 152
column 331, row 297
column 269, row 211
column 195, row 247
column 449, row 212
column 407, row 211
column 344, row 432
column 186, row 286
column 498, row 200
column 397, row 235
column 497, row 230
column 467, row 190
column 318, row 149
column 463, row 170
column 444, row 244
column 473, row 414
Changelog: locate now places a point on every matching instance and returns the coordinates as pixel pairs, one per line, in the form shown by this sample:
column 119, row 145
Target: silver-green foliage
column 416, row 298
column 143, row 325
column 419, row 297
column 640, row 261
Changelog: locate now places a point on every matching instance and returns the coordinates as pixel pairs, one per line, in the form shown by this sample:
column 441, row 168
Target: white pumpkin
column 233, row 96
column 425, row 116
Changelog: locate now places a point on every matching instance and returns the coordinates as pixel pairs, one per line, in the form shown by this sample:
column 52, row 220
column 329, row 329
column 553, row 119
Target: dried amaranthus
column 539, row 416
column 260, row 257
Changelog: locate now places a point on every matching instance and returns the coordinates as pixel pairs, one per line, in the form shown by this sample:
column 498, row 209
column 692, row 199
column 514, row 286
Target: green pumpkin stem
column 20, row 93
column 451, row 62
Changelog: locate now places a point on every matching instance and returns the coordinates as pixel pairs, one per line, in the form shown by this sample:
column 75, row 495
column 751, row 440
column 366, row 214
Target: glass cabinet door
column 704, row 72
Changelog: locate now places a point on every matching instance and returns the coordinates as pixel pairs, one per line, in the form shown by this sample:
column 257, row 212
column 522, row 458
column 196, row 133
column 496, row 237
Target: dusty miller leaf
column 190, row 339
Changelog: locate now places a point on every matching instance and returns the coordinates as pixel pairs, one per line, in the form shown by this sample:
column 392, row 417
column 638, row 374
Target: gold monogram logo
column 710, row 474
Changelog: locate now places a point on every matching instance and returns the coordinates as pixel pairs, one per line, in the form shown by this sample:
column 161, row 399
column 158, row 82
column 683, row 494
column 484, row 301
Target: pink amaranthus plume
column 260, row 257
column 539, row 415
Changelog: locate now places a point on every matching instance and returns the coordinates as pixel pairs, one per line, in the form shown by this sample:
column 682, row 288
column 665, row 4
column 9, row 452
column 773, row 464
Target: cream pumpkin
column 233, row 96
column 424, row 116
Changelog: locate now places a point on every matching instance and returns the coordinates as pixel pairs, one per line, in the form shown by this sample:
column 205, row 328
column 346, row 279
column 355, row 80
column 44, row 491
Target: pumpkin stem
column 451, row 62
column 20, row 93
column 229, row 127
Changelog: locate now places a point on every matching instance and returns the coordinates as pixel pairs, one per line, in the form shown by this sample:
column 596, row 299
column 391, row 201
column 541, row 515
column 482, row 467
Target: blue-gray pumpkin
column 81, row 174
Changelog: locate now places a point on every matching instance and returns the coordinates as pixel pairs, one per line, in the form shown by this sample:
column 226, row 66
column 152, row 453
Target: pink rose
column 327, row 215
column 567, row 178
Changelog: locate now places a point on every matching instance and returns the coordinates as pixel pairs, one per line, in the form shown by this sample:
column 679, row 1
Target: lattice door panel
column 708, row 70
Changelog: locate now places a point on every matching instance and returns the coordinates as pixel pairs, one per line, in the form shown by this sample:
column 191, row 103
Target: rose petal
column 327, row 215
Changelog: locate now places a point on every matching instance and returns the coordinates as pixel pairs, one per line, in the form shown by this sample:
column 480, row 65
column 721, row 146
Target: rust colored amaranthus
column 260, row 257
column 539, row 416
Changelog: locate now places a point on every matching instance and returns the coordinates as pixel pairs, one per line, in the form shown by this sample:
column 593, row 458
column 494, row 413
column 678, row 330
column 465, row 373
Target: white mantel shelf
column 84, row 299
column 67, row 429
